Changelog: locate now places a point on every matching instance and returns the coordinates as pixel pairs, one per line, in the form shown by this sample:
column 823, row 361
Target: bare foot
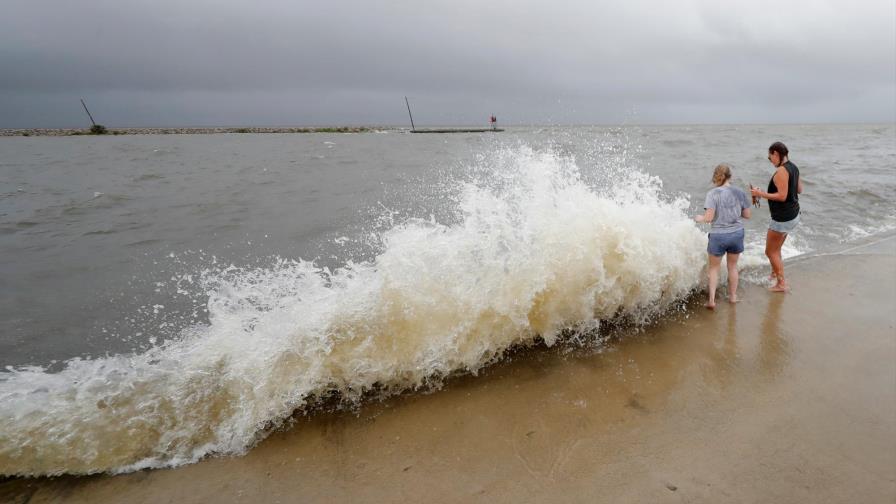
column 733, row 299
column 778, row 288
column 710, row 306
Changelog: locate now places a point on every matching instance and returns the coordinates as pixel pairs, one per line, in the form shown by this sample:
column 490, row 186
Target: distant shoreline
column 190, row 131
column 208, row 130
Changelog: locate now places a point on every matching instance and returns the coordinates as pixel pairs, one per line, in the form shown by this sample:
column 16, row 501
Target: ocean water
column 168, row 297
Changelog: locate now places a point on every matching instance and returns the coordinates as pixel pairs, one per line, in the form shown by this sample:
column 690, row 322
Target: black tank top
column 787, row 210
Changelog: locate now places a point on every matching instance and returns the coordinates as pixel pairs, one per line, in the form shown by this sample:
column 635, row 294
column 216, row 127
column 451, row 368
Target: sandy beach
column 781, row 398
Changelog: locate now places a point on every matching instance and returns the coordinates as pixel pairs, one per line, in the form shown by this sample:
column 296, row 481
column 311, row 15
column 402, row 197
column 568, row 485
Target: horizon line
column 503, row 125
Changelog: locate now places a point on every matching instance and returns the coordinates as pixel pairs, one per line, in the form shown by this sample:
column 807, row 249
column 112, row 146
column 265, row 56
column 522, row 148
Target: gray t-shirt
column 728, row 203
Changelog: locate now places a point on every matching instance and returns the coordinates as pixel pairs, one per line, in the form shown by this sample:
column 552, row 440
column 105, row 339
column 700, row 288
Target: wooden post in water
column 409, row 113
column 88, row 112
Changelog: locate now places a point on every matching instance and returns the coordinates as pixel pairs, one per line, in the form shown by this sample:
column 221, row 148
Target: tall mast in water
column 88, row 112
column 409, row 113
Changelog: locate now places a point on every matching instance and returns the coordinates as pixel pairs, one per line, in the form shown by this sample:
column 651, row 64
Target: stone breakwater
column 188, row 131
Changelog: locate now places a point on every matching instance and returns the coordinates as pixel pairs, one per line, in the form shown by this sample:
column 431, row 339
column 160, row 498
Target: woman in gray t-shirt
column 726, row 207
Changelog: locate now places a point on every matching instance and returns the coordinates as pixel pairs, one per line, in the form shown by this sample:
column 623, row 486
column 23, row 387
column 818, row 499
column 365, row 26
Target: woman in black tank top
column 783, row 202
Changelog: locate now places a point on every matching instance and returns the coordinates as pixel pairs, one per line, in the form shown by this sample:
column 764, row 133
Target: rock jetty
column 188, row 131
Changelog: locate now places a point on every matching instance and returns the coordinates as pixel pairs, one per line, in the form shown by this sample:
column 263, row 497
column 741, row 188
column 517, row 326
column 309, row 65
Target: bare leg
column 732, row 277
column 715, row 264
column 773, row 243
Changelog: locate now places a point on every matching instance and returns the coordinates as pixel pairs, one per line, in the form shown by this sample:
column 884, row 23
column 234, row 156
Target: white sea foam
column 856, row 232
column 534, row 250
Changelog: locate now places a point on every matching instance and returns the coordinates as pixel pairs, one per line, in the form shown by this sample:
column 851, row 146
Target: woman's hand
column 757, row 193
column 708, row 216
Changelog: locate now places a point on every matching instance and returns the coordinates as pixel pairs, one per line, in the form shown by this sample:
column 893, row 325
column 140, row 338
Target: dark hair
column 780, row 148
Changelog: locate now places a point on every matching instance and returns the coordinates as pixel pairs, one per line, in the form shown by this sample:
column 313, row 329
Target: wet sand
column 780, row 398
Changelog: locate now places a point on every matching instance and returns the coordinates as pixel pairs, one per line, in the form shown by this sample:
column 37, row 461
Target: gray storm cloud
column 166, row 63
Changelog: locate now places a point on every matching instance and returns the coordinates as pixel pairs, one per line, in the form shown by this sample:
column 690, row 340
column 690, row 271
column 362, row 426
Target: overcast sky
column 189, row 62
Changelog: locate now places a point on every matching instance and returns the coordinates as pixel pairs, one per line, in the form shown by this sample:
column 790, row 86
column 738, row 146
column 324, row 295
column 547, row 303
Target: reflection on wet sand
column 774, row 347
column 740, row 350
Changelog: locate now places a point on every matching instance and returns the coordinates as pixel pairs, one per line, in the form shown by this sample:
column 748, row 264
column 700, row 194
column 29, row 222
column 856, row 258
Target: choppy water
column 166, row 297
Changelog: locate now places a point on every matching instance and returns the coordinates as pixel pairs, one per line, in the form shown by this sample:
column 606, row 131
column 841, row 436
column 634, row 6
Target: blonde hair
column 721, row 174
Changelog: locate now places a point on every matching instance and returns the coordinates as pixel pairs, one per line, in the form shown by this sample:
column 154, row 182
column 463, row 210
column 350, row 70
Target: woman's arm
column 799, row 185
column 706, row 217
column 780, row 179
column 746, row 213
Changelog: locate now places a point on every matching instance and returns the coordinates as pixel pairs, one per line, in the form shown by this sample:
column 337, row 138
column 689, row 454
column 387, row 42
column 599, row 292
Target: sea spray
column 534, row 250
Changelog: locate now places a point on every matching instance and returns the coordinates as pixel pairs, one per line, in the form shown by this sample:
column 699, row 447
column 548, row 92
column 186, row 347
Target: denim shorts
column 784, row 227
column 722, row 243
